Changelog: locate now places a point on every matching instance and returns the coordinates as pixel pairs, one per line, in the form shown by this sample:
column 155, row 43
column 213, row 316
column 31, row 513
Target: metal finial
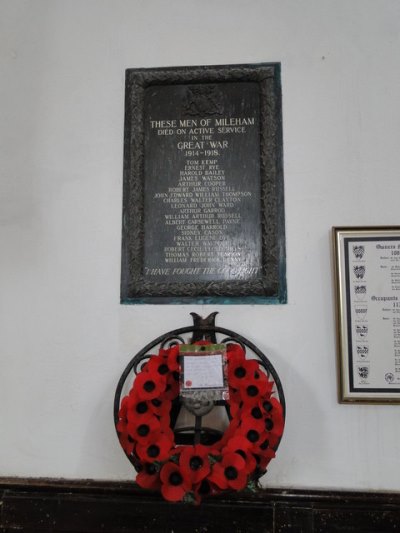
column 200, row 324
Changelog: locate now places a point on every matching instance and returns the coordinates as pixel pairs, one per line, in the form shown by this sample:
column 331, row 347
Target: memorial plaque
column 203, row 186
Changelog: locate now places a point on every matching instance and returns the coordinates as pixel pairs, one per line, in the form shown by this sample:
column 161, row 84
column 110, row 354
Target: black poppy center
column 242, row 453
column 163, row 369
column 156, row 402
column 204, row 488
column 240, row 372
column 151, row 469
column 252, row 390
column 256, row 412
column 141, row 407
column 143, row 430
column 196, row 462
column 265, row 444
column 269, row 424
column 153, row 450
column 149, row 386
column 231, row 472
column 175, row 479
column 253, row 435
column 176, row 375
column 267, row 406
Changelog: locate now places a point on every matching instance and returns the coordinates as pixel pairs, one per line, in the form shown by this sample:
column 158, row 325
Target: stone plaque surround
column 203, row 187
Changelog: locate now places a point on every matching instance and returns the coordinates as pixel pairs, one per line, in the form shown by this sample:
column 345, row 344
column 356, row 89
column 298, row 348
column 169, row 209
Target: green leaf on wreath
column 252, row 486
column 189, row 497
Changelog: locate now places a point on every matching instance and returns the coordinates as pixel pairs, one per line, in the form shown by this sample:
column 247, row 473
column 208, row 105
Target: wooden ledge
column 64, row 505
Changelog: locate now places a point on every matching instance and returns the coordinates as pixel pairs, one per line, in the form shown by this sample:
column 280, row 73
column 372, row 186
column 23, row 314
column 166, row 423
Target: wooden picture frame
column 367, row 283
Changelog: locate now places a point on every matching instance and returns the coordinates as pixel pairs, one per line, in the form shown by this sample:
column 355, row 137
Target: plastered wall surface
column 65, row 339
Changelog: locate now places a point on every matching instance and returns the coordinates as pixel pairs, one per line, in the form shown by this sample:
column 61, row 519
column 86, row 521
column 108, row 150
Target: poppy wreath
column 191, row 472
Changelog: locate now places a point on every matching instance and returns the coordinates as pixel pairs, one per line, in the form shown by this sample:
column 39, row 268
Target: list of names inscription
column 202, row 183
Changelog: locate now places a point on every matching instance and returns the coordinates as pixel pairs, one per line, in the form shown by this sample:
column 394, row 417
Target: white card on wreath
column 203, row 371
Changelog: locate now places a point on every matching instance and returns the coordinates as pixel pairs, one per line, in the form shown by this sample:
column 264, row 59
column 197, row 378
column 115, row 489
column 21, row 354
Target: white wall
column 65, row 339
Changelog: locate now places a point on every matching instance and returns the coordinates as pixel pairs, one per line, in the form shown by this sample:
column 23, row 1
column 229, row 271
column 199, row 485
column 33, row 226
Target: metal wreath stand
column 203, row 329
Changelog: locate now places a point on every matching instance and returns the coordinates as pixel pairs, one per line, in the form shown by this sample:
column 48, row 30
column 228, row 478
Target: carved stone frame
column 270, row 287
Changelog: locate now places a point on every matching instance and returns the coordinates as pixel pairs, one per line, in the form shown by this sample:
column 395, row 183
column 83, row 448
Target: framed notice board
column 203, row 205
column 367, row 281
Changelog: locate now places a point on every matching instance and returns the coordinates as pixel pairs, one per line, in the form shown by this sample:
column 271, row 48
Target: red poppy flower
column 122, row 426
column 172, row 356
column 234, row 402
column 263, row 458
column 194, row 462
column 242, row 446
column 265, row 450
column 174, row 485
column 166, row 428
column 167, row 432
column 253, row 431
column 137, row 408
column 123, row 409
column 161, row 408
column 234, row 351
column 126, row 441
column 157, row 450
column 252, row 390
column 159, row 365
column 259, row 376
column 273, row 416
column 143, row 431
column 253, row 418
column 203, row 489
column 149, row 477
column 230, row 432
column 172, row 386
column 230, row 472
column 149, row 385
column 263, row 446
column 238, row 442
column 240, row 370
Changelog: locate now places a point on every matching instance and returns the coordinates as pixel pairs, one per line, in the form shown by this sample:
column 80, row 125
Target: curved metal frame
column 200, row 329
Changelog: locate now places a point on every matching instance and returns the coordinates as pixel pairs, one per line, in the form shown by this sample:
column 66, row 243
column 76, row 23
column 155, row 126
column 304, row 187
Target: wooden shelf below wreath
column 84, row 506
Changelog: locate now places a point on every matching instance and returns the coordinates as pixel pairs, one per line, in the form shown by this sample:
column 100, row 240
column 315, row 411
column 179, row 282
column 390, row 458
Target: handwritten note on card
column 203, row 371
